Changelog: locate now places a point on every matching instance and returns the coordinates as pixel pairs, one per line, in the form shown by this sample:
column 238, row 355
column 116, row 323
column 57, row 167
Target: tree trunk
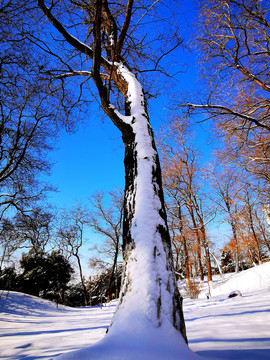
column 207, row 254
column 85, row 294
column 236, row 245
column 112, row 272
column 184, row 241
column 149, row 289
column 232, row 222
column 251, row 225
column 198, row 239
column 256, row 244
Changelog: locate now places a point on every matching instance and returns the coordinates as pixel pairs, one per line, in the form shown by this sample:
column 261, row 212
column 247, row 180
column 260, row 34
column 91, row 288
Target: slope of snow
column 218, row 328
column 230, row 328
column 245, row 281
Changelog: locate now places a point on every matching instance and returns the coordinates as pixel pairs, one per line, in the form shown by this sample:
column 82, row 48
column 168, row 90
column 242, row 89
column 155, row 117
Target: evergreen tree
column 45, row 275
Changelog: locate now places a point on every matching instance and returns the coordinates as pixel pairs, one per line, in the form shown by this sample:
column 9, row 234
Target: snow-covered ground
column 218, row 328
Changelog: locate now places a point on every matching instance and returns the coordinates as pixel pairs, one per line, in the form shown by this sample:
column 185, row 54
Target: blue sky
column 85, row 162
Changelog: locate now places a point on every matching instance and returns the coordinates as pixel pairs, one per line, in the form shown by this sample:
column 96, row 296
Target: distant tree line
column 48, row 276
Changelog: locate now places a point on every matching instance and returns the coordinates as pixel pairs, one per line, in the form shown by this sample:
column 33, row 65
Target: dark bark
column 85, row 294
column 131, row 173
column 113, row 270
column 198, row 239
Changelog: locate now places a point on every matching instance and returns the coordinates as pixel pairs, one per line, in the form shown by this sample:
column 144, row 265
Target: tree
column 9, row 241
column 181, row 182
column 99, row 285
column 227, row 188
column 34, row 228
column 234, row 38
column 27, row 131
column 107, row 221
column 262, row 228
column 266, row 211
column 9, row 279
column 29, row 229
column 108, row 42
column 249, row 198
column 60, row 273
column 70, row 236
column 227, row 261
column 35, row 273
column 45, row 273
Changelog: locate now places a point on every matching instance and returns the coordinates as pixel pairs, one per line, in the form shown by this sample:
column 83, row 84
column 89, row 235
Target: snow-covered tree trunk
column 149, row 289
column 149, row 322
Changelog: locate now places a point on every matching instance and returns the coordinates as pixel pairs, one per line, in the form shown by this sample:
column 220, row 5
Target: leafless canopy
column 234, row 40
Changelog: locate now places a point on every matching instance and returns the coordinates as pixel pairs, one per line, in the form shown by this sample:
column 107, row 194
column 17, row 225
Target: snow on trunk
column 148, row 323
column 149, row 290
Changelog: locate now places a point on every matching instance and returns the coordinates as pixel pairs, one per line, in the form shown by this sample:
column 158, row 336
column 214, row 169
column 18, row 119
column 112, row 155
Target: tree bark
column 198, row 239
column 113, row 272
column 235, row 238
column 184, row 241
column 149, row 281
column 85, row 294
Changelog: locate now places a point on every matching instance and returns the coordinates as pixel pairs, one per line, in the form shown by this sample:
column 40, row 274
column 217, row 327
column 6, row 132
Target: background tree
column 99, row 285
column 71, row 238
column 9, row 241
column 182, row 174
column 107, row 221
column 262, row 228
column 28, row 128
column 249, row 197
column 227, row 188
column 31, row 229
column 45, row 273
column 9, row 279
column 234, row 39
column 34, row 228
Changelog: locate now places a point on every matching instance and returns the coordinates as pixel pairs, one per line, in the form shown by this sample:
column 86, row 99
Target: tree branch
column 229, row 111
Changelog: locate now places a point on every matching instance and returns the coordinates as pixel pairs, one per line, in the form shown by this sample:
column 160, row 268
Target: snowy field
column 218, row 328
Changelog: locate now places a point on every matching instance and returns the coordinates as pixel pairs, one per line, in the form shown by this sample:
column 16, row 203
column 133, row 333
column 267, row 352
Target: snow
column 245, row 281
column 218, row 328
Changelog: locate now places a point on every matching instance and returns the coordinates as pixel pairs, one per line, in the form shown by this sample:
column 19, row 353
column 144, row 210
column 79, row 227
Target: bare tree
column 261, row 228
column 182, row 172
column 9, row 241
column 227, row 188
column 27, row 126
column 107, row 43
column 31, row 230
column 234, row 39
column 71, row 238
column 249, row 201
column 107, row 221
